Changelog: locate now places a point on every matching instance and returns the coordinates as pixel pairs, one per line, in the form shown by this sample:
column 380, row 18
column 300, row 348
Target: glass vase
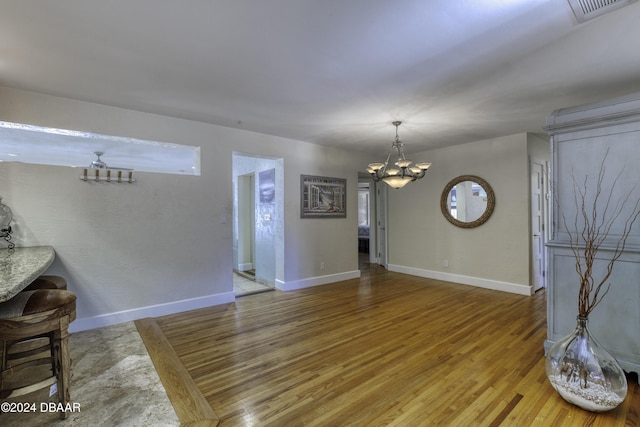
column 584, row 373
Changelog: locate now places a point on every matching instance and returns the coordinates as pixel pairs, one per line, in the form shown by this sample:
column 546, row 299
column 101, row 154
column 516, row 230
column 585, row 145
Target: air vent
column 585, row 10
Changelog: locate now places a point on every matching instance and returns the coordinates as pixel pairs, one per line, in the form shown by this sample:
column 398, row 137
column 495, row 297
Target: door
column 246, row 222
column 364, row 219
column 381, row 223
column 538, row 267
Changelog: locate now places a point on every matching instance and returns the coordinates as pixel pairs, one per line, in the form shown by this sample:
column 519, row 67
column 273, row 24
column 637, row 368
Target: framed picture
column 323, row 197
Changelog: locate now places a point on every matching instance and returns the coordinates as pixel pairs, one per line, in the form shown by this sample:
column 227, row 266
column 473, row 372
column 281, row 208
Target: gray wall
column 165, row 244
column 494, row 255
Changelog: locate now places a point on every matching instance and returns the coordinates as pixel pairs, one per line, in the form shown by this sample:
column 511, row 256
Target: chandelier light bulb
column 393, row 171
column 397, row 182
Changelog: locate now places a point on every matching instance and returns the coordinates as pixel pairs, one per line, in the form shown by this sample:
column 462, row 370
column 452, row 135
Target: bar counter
column 22, row 267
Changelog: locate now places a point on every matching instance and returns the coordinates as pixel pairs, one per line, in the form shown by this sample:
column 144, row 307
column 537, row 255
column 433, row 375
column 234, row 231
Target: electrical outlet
column 445, row 263
column 322, row 265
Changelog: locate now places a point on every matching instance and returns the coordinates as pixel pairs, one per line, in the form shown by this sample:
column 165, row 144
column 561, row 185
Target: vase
column 584, row 373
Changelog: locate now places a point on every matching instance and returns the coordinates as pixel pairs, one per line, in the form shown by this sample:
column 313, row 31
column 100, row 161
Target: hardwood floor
column 387, row 349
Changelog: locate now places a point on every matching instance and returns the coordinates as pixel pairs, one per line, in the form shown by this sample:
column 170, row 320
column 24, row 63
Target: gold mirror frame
column 444, row 205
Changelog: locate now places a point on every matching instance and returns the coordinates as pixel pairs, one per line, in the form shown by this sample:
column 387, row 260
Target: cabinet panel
column 616, row 322
column 580, row 138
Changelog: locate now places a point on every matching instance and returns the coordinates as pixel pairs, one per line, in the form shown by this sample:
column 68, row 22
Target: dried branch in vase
column 578, row 367
column 591, row 229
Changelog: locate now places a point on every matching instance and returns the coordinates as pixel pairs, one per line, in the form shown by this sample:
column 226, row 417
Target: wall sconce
column 93, row 172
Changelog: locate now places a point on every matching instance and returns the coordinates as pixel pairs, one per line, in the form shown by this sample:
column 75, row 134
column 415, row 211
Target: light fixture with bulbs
column 401, row 172
column 98, row 171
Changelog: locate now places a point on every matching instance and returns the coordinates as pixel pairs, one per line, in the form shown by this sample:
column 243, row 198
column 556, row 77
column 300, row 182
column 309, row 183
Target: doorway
column 244, row 278
column 246, row 224
column 257, row 223
column 381, row 224
column 538, row 224
column 372, row 208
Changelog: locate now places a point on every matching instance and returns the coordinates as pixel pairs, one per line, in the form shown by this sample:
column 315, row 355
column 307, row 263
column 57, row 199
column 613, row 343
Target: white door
column 381, row 223
column 537, row 225
column 246, row 222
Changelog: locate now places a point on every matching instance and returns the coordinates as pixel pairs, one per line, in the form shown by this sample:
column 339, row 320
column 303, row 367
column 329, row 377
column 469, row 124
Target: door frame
column 542, row 166
column 382, row 222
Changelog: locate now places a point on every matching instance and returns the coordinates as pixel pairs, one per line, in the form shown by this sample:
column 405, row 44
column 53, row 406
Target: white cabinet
column 581, row 137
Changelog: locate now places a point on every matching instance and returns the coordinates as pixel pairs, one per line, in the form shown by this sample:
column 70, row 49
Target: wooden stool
column 26, row 318
column 47, row 282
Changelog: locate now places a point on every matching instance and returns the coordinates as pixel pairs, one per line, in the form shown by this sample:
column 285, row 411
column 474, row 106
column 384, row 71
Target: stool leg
column 63, row 362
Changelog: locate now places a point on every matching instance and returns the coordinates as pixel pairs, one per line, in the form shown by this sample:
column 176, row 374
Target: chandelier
column 401, row 172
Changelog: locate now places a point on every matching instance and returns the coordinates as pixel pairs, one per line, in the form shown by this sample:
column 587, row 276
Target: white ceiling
column 326, row 71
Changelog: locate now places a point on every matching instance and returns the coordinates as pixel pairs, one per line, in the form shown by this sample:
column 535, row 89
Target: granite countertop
column 22, row 267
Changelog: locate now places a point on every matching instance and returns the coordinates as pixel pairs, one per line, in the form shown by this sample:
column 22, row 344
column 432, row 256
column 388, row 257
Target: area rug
column 113, row 383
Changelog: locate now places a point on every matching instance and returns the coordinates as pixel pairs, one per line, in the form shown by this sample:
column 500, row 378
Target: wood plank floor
column 384, row 350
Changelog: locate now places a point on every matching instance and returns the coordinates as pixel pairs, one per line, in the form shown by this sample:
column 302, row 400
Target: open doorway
column 380, row 248
column 364, row 223
column 372, row 247
column 244, row 278
column 539, row 212
column 257, row 223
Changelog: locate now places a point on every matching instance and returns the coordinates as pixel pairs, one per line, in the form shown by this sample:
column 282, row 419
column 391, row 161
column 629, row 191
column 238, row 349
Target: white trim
column 245, row 266
column 150, row 311
column 513, row 288
column 316, row 281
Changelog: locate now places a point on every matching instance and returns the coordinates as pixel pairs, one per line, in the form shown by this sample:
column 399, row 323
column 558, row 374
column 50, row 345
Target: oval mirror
column 467, row 201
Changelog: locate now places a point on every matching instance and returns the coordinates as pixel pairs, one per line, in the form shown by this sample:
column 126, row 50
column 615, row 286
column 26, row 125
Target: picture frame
column 323, row 197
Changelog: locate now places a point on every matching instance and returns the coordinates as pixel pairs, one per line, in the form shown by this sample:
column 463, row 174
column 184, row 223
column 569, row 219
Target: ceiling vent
column 585, row 10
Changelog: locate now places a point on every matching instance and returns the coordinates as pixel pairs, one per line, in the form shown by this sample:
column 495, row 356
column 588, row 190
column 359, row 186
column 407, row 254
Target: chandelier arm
column 386, row 163
column 400, row 148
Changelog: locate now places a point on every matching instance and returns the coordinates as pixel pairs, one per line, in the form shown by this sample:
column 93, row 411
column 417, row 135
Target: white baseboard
column 245, row 267
column 83, row 324
column 109, row 319
column 513, row 288
column 316, row 281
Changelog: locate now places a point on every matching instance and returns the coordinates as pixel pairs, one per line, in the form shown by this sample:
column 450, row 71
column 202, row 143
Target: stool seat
column 26, row 318
column 39, row 301
column 47, row 282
